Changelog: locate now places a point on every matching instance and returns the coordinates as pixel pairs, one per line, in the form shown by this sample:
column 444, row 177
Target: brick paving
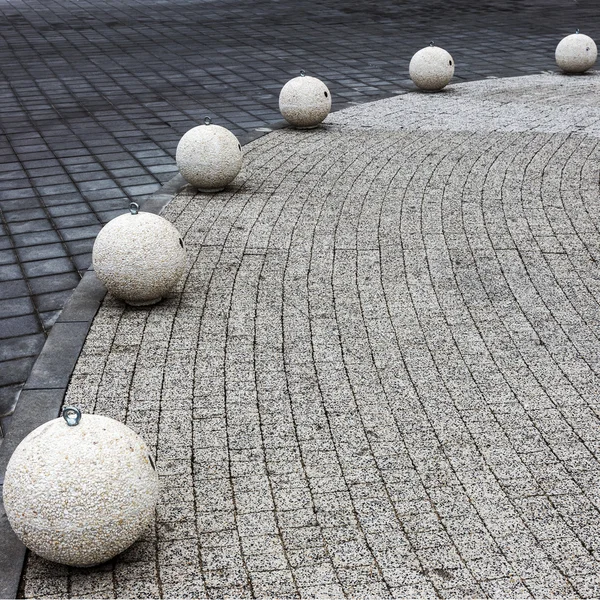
column 380, row 376
column 95, row 95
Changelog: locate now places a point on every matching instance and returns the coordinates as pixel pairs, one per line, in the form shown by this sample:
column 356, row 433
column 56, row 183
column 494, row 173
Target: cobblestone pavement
column 380, row 377
column 95, row 95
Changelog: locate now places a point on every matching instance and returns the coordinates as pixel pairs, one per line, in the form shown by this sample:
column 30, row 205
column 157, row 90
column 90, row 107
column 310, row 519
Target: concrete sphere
column 209, row 157
column 80, row 495
column 139, row 257
column 576, row 53
column 431, row 68
column 304, row 102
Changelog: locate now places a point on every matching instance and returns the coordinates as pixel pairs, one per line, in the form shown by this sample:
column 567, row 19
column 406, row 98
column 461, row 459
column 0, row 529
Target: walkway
column 380, row 377
column 95, row 95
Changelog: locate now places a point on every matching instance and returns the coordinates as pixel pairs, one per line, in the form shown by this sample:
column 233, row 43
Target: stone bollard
column 431, row 68
column 139, row 257
column 209, row 157
column 80, row 490
column 304, row 101
column 576, row 53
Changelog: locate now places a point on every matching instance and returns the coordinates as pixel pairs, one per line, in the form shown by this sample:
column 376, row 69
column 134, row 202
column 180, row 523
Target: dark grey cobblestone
column 380, row 375
column 95, row 95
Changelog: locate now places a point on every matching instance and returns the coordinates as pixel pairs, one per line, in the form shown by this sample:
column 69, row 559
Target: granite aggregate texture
column 89, row 518
column 94, row 97
column 139, row 257
column 380, row 375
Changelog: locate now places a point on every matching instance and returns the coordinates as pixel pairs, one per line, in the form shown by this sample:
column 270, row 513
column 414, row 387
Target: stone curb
column 43, row 393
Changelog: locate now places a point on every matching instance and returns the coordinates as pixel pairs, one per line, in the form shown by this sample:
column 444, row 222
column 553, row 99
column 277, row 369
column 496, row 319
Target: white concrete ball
column 209, row 157
column 431, row 68
column 576, row 53
column 304, row 102
column 139, row 257
column 80, row 495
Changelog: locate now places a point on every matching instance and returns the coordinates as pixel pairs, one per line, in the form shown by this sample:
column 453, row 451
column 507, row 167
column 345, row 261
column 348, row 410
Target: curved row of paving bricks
column 95, row 96
column 380, row 376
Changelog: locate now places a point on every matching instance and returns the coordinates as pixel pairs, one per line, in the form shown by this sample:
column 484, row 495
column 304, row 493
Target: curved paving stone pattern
column 95, row 95
column 380, row 377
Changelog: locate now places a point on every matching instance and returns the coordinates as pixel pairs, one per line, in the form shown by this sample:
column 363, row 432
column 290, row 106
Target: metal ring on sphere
column 72, row 415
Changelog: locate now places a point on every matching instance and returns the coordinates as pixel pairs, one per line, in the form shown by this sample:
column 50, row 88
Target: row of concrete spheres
column 209, row 157
column 58, row 497
column 305, row 101
column 432, row 68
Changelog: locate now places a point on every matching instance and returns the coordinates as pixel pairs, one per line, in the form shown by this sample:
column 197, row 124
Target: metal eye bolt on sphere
column 209, row 157
column 431, row 68
column 576, row 53
column 80, row 489
column 139, row 257
column 304, row 101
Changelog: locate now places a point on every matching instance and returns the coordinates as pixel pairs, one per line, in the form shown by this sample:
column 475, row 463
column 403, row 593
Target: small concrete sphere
column 139, row 257
column 79, row 495
column 576, row 53
column 431, row 68
column 209, row 157
column 304, row 101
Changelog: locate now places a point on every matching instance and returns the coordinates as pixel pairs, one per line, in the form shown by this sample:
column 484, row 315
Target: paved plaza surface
column 94, row 97
column 380, row 375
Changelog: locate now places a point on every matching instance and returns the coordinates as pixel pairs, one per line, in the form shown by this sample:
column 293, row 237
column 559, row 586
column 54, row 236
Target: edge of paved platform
column 43, row 393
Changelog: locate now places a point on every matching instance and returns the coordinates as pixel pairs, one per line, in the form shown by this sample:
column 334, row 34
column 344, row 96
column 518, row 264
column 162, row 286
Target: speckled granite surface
column 380, row 376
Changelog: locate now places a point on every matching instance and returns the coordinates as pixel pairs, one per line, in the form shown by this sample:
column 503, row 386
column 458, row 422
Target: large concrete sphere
column 576, row 53
column 304, row 101
column 81, row 494
column 209, row 157
column 431, row 68
column 139, row 257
